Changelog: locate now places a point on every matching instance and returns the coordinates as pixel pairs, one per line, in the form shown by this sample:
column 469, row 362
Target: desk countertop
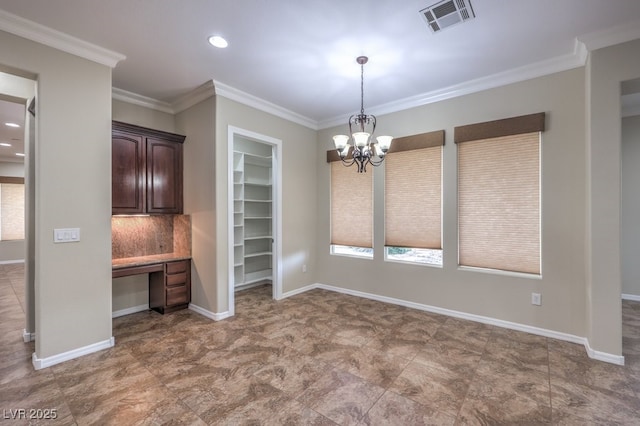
column 129, row 262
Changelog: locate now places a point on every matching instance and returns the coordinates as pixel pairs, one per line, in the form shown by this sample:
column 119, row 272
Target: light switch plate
column 66, row 235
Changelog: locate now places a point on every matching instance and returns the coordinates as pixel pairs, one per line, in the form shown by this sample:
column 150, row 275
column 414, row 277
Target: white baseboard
column 632, row 297
column 131, row 310
column 28, row 337
column 601, row 356
column 206, row 313
column 40, row 363
column 10, row 262
column 298, row 291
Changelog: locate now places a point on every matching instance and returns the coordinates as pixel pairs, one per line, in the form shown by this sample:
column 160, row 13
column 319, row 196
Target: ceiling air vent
column 447, row 13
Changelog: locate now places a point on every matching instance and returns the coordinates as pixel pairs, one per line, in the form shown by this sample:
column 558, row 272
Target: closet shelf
column 264, row 253
column 252, row 186
column 246, row 200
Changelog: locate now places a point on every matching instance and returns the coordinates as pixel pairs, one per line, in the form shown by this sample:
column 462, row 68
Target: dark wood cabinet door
column 164, row 177
column 127, row 174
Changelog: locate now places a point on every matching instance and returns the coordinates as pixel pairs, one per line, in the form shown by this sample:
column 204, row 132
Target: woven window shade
column 351, row 206
column 499, row 203
column 11, row 211
column 413, row 202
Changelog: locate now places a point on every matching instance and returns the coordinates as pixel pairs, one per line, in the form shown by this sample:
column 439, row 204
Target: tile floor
column 318, row 358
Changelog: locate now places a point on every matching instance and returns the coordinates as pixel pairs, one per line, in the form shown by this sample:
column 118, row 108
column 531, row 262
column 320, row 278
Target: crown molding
column 262, row 105
column 186, row 101
column 575, row 59
column 206, row 90
column 144, row 101
column 194, row 97
column 611, row 36
column 58, row 40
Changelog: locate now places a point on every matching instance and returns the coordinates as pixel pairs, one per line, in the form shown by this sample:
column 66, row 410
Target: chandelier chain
column 362, row 89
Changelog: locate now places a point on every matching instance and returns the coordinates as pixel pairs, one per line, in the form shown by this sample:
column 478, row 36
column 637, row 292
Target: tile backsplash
column 134, row 236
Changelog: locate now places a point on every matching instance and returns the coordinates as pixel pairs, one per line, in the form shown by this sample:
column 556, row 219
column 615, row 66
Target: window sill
column 500, row 272
column 355, row 256
column 408, row 262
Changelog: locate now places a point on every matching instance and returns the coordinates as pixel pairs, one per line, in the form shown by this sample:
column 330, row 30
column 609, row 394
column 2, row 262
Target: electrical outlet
column 304, row 268
column 536, row 299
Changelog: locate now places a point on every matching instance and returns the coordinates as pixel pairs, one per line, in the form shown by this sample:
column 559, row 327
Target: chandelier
column 361, row 127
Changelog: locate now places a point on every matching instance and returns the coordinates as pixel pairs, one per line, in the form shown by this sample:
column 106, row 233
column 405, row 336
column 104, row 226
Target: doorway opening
column 254, row 214
column 630, row 212
column 17, row 169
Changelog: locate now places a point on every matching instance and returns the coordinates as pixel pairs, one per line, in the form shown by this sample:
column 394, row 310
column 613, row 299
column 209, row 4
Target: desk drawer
column 170, row 288
column 177, row 267
column 176, row 279
column 177, row 295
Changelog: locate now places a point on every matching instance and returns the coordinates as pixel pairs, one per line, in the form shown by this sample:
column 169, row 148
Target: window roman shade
column 499, row 194
column 351, row 211
column 413, row 192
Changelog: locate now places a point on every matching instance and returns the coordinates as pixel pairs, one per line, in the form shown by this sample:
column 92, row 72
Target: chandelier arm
column 363, row 164
column 376, row 163
column 348, row 163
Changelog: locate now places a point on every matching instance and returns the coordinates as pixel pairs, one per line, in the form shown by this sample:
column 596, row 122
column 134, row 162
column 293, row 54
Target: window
column 413, row 199
column 499, row 194
column 11, row 208
column 351, row 211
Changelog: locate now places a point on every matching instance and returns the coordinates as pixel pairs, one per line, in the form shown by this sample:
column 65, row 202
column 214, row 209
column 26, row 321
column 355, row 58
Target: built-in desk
column 169, row 278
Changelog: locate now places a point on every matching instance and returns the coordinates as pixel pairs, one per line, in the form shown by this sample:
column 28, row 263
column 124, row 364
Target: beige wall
column 606, row 69
column 142, row 116
column 130, row 292
column 72, row 151
column 299, row 215
column 11, row 169
column 198, row 123
column 630, row 215
column 12, row 251
column 133, row 291
column 500, row 296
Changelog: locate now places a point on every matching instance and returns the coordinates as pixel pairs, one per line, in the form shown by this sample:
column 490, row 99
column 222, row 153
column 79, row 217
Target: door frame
column 276, row 210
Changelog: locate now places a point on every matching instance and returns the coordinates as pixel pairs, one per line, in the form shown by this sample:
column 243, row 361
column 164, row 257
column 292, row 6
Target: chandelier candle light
column 364, row 149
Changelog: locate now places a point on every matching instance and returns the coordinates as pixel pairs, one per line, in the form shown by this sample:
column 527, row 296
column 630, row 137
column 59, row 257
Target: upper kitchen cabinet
column 146, row 170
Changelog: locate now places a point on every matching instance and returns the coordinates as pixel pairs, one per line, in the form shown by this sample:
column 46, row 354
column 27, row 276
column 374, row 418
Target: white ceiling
column 300, row 55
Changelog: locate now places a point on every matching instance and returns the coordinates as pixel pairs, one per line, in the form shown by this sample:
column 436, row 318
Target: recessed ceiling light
column 19, row 154
column 12, row 124
column 218, row 41
column 4, row 144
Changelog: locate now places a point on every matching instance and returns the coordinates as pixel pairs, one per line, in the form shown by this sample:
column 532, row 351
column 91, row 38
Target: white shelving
column 252, row 195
